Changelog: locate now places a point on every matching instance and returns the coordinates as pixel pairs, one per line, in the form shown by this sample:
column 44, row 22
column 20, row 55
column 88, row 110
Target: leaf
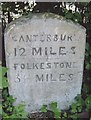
column 69, row 15
column 88, row 66
column 65, row 115
column 88, row 102
column 0, row 109
column 20, row 107
column 4, row 83
column 3, row 70
column 77, row 16
column 3, row 80
column 53, row 105
column 55, row 109
column 57, row 113
column 74, row 108
column 87, row 46
column 19, row 111
column 74, row 116
column 11, row 99
column 5, row 93
column 44, row 108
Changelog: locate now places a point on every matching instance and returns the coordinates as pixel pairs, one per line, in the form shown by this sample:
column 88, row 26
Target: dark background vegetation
column 81, row 14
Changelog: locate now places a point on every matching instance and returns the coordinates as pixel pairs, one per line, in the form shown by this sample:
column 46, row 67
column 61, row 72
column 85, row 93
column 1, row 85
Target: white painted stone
column 42, row 67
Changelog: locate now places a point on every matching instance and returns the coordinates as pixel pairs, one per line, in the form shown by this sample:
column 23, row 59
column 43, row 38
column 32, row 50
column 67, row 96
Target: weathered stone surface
column 45, row 56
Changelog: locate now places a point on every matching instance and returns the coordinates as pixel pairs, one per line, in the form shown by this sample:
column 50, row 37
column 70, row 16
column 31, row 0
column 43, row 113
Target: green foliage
column 76, row 17
column 65, row 116
column 68, row 15
column 10, row 111
column 75, row 116
column 7, row 110
column 0, row 109
column 54, row 108
column 77, row 106
column 3, row 80
column 88, row 65
column 88, row 103
column 44, row 108
column 85, row 90
column 88, row 58
column 8, row 104
column 13, row 10
column 19, row 112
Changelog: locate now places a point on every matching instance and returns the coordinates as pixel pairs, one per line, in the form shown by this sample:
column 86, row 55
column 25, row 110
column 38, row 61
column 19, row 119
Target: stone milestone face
column 45, row 57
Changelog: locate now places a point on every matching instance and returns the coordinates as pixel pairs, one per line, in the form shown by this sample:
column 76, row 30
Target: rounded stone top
column 42, row 16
